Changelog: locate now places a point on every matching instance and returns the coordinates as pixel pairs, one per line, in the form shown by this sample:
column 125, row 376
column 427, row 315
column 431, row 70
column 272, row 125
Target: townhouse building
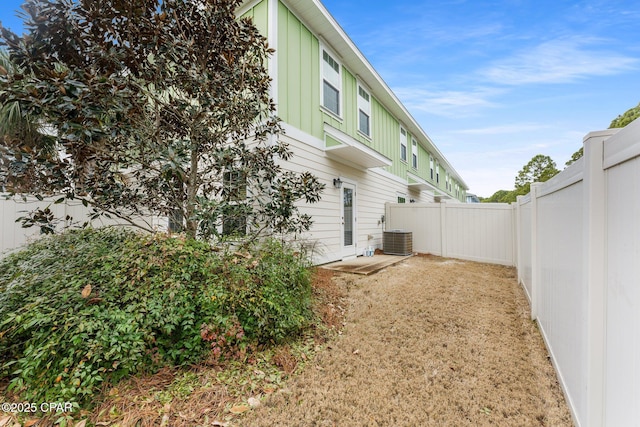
column 346, row 126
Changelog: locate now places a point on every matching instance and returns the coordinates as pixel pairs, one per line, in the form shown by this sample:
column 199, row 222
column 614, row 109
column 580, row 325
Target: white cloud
column 514, row 128
column 559, row 61
column 447, row 103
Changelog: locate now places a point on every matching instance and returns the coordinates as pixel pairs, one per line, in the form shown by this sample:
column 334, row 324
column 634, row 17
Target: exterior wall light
column 337, row 182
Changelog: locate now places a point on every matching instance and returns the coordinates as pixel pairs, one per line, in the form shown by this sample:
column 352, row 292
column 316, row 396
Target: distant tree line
column 541, row 168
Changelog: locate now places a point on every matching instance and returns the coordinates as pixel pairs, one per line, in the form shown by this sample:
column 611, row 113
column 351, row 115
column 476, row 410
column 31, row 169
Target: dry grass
column 428, row 342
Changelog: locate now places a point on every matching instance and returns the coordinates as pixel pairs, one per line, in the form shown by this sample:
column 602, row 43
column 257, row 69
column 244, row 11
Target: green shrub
column 271, row 293
column 93, row 306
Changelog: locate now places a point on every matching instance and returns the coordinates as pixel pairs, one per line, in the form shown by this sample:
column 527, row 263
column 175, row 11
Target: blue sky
column 494, row 83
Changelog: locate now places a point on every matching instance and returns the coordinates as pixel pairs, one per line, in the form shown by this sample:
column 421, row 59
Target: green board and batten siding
column 260, row 16
column 298, row 75
column 299, row 86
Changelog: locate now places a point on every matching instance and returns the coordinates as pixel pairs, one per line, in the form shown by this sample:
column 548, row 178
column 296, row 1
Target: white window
column 403, row 145
column 402, row 198
column 414, row 153
column 364, row 111
column 331, row 83
column 437, row 172
column 431, row 166
column 234, row 217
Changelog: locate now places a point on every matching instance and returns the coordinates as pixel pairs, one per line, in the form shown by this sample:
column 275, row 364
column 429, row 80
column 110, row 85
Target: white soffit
column 352, row 151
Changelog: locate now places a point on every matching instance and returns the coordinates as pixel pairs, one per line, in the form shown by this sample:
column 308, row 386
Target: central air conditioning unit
column 397, row 242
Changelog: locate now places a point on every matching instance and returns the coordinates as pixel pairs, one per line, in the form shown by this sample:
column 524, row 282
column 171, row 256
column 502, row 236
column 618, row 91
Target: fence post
column 535, row 276
column 518, row 237
column 594, row 234
column 443, row 229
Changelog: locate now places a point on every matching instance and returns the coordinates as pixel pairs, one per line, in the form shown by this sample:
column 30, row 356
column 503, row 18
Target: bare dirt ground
column 428, row 342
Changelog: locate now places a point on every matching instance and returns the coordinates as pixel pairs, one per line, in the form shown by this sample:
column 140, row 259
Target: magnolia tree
column 156, row 106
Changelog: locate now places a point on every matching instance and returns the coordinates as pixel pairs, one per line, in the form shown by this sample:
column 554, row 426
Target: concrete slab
column 365, row 265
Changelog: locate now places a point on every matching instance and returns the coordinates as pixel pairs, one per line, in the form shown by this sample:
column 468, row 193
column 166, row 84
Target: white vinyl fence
column 575, row 240
column 13, row 236
column 476, row 232
column 579, row 236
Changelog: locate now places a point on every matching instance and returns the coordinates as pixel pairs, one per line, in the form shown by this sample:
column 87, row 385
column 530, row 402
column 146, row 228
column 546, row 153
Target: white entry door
column 349, row 232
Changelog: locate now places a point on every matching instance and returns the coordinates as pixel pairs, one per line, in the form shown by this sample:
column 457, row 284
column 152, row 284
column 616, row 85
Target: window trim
column 403, row 144
column 364, row 106
column 235, row 184
column 414, row 153
column 331, row 82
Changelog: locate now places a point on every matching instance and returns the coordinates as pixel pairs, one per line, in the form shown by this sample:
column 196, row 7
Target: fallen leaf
column 31, row 423
column 219, row 424
column 4, row 421
column 82, row 423
column 86, row 291
column 239, row 409
column 253, row 402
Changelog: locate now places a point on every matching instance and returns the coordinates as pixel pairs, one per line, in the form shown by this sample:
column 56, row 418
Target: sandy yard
column 427, row 342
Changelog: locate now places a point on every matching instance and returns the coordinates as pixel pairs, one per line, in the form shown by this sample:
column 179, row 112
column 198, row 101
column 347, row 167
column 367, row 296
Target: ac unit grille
column 397, row 242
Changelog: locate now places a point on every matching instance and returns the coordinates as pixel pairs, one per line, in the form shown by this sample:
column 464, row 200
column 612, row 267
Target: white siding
column 374, row 187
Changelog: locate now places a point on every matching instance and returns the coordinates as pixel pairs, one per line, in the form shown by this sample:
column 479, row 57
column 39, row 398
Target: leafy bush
column 270, row 294
column 88, row 307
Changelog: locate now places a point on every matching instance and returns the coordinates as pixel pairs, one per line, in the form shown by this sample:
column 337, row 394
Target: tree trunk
column 192, row 192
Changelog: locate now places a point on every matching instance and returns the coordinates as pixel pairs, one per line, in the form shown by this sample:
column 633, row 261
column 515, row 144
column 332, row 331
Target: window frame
column 235, row 186
column 403, row 144
column 431, row 166
column 328, row 78
column 364, row 107
column 414, row 153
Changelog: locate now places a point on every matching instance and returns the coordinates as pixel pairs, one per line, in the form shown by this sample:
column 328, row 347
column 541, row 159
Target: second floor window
column 364, row 111
column 403, row 145
column 414, row 154
column 331, row 83
column 431, row 166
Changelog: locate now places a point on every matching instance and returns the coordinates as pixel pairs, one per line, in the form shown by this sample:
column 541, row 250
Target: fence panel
column 480, row 232
column 477, row 232
column 523, row 244
column 622, row 330
column 13, row 236
column 561, row 302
